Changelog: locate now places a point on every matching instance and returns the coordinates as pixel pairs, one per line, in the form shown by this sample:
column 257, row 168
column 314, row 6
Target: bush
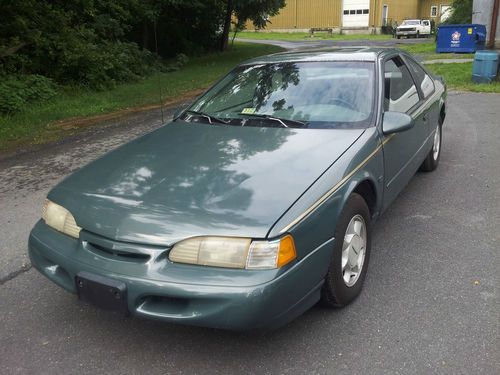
column 103, row 65
column 181, row 59
column 18, row 91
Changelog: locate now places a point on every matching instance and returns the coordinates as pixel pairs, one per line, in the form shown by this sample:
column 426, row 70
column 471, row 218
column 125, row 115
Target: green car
column 255, row 202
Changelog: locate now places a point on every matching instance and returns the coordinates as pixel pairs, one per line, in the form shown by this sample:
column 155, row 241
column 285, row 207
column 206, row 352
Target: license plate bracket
column 103, row 292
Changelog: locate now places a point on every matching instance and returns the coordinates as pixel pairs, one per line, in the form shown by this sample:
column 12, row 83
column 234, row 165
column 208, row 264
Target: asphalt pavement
column 325, row 43
column 430, row 303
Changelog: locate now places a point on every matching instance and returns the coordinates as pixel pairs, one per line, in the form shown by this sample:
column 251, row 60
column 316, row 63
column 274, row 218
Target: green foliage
column 31, row 124
column 98, row 44
column 18, row 91
column 257, row 11
column 103, row 65
column 179, row 61
column 72, row 42
column 459, row 77
column 461, row 12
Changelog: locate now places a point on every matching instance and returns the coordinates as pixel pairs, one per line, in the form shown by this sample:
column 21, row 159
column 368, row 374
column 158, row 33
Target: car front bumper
column 405, row 33
column 187, row 294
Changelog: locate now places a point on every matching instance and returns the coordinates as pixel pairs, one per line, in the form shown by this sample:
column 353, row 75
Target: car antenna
column 159, row 76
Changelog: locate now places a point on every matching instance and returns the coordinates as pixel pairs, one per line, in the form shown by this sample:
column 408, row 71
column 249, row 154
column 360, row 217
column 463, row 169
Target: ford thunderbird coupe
column 255, row 202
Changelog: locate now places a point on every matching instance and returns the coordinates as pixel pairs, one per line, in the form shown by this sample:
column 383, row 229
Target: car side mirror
column 395, row 122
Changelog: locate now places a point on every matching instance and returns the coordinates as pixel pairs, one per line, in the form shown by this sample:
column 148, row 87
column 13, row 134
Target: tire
column 398, row 36
column 336, row 292
column 431, row 162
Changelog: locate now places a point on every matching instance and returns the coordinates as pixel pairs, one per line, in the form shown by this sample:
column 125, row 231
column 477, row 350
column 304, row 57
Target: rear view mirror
column 395, row 122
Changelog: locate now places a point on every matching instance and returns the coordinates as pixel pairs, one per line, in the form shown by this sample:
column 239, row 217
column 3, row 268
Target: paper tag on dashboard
column 248, row 111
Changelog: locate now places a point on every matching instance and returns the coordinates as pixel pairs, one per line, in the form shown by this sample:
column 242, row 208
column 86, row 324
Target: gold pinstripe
column 337, row 186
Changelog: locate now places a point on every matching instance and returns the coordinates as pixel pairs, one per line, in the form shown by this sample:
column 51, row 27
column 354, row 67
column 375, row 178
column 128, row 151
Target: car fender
column 313, row 217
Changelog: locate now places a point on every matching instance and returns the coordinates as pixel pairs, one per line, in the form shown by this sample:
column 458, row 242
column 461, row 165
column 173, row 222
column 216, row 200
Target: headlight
column 60, row 219
column 234, row 252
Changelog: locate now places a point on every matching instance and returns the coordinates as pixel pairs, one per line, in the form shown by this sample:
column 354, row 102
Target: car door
column 426, row 27
column 426, row 87
column 402, row 151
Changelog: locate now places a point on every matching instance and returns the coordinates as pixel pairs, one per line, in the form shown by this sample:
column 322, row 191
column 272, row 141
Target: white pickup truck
column 415, row 28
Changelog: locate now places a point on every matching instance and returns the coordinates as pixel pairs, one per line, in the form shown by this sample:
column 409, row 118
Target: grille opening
column 122, row 255
column 162, row 305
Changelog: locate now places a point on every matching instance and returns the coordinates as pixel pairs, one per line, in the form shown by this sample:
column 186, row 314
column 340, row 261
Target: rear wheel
column 351, row 253
column 431, row 162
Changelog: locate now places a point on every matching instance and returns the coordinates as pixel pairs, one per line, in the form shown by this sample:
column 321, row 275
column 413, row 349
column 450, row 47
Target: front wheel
column 432, row 160
column 351, row 253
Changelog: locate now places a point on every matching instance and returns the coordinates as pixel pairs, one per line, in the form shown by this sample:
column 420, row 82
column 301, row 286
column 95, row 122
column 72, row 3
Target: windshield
column 308, row 95
column 406, row 23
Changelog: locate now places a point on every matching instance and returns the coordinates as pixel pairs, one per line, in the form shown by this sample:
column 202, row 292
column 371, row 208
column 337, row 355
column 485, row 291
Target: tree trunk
column 227, row 25
column 145, row 35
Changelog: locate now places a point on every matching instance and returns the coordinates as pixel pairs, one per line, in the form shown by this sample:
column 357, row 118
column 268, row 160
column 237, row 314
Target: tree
column 461, row 12
column 257, row 11
column 98, row 43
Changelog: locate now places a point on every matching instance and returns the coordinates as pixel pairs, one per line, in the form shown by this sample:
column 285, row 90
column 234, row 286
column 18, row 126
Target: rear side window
column 423, row 80
column 400, row 92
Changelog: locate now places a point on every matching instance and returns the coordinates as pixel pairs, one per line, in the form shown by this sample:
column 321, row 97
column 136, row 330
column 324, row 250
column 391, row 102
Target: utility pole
column 494, row 21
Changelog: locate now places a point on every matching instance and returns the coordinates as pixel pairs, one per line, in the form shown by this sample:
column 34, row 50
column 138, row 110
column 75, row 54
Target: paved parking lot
column 430, row 305
column 325, row 43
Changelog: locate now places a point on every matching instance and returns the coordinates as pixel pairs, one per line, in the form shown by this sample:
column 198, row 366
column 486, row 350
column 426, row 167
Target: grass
column 459, row 77
column 441, row 56
column 271, row 35
column 33, row 124
column 427, row 51
column 418, row 48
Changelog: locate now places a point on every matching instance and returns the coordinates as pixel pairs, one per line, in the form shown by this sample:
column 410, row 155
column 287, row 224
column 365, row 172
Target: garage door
column 356, row 13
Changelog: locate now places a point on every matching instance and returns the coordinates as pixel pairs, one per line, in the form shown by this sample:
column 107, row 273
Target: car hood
column 186, row 180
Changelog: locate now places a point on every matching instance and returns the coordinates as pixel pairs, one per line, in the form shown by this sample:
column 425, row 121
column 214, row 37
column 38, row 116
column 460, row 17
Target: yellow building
column 354, row 15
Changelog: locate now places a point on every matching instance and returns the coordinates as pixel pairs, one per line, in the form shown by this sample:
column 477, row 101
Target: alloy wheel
column 436, row 148
column 354, row 250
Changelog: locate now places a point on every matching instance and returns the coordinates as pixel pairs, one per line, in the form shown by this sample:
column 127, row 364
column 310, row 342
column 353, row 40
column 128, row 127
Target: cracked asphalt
column 430, row 303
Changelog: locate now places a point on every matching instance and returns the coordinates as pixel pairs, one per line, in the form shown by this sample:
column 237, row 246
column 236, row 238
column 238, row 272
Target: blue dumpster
column 460, row 38
column 485, row 66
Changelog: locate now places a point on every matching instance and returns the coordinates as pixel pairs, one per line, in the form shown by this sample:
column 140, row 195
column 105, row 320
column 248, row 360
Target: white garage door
column 356, row 13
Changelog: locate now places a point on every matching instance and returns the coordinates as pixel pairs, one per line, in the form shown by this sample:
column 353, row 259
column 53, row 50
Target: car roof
column 368, row 54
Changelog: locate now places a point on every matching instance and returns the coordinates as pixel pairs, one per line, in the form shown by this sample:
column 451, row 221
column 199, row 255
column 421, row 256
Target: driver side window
column 400, row 92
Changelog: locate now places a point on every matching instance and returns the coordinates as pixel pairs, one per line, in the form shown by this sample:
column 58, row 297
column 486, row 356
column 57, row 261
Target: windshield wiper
column 282, row 121
column 211, row 119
